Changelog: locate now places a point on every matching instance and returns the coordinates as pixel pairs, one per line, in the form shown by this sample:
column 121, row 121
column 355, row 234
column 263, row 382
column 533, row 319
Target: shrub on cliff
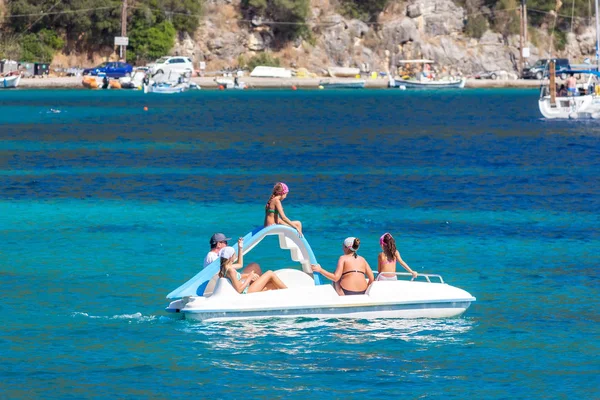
column 476, row 26
column 40, row 47
column 288, row 16
column 265, row 59
column 365, row 10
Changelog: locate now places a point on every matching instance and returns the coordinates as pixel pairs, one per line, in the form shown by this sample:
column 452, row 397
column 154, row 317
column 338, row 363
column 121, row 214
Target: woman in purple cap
column 274, row 209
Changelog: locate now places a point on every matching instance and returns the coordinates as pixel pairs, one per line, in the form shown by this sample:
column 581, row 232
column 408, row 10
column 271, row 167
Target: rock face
column 407, row 29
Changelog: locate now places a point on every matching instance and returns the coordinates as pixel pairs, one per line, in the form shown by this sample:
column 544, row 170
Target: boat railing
column 427, row 277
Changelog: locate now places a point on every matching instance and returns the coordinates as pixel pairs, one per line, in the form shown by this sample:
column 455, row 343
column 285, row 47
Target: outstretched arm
column 405, row 265
column 333, row 277
column 284, row 218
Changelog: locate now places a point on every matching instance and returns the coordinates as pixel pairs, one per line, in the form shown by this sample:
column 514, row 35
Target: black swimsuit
column 351, row 292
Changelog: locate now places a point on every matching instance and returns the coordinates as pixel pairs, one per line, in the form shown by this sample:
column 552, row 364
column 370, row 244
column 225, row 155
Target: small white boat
column 135, row 81
column 424, row 78
column 206, row 297
column 270, row 72
column 169, row 87
column 343, row 84
column 10, row 81
column 229, row 83
column 343, row 72
column 451, row 83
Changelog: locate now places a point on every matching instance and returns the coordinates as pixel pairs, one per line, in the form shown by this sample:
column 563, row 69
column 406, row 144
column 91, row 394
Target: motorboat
column 342, row 84
column 10, row 81
column 133, row 82
column 229, row 83
column 169, row 87
column 206, row 297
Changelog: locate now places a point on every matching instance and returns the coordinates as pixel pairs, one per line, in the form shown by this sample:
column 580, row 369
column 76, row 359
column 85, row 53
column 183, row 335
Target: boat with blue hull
column 343, row 84
column 206, row 297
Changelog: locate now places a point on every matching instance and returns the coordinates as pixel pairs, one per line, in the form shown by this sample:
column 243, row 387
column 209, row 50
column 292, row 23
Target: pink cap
column 285, row 188
column 381, row 238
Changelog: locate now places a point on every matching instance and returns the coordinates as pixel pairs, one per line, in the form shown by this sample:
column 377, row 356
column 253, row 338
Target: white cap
column 227, row 252
column 349, row 243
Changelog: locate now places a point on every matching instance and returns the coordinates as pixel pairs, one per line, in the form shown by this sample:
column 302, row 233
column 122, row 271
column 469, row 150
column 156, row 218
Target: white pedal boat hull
column 209, row 298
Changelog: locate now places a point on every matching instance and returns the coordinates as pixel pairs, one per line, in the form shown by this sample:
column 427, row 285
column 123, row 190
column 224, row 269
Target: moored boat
column 343, row 84
column 10, row 81
column 207, row 297
column 423, row 77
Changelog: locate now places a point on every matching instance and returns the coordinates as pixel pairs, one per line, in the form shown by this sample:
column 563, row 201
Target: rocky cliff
column 432, row 29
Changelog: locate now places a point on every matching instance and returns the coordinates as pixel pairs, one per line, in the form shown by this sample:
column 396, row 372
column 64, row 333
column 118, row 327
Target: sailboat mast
column 597, row 36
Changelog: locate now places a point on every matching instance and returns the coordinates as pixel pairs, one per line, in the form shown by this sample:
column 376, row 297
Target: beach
column 273, row 83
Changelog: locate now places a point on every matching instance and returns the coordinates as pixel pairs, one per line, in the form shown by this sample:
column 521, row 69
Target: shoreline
column 208, row 82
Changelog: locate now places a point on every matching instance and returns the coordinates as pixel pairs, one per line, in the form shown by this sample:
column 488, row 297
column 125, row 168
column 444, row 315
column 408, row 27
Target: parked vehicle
column 540, row 69
column 486, row 75
column 111, row 69
column 172, row 66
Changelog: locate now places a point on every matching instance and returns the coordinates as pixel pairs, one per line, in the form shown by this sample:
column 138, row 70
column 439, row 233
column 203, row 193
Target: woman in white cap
column 351, row 271
column 245, row 283
column 274, row 209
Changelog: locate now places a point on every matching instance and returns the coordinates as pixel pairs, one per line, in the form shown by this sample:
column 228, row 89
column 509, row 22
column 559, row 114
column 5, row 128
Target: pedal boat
column 206, row 297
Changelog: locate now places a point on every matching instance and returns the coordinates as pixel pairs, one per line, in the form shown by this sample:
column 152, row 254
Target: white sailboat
column 585, row 102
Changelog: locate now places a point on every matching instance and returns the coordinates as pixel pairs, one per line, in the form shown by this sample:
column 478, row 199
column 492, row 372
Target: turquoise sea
column 105, row 208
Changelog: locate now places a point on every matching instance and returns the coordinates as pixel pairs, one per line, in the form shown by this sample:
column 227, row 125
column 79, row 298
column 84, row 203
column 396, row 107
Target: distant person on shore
column 351, row 271
column 274, row 209
column 386, row 261
column 247, row 282
column 572, row 85
column 217, row 242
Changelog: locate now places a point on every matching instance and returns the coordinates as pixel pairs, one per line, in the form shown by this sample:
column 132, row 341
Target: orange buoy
column 294, row 87
column 145, row 108
column 221, row 87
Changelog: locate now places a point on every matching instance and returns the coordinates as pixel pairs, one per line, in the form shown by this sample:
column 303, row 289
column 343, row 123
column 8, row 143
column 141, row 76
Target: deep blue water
column 105, row 208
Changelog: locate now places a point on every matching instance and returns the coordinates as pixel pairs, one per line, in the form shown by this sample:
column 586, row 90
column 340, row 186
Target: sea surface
column 108, row 200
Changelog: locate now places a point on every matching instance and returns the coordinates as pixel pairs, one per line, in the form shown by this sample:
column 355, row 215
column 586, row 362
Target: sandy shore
column 306, row 83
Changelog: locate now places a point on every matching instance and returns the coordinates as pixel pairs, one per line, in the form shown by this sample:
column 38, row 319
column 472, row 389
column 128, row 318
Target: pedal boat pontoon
column 206, row 297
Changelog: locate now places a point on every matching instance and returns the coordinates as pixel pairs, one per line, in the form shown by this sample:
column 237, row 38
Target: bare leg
column 268, row 277
column 338, row 289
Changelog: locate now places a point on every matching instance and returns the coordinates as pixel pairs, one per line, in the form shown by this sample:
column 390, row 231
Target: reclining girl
column 245, row 283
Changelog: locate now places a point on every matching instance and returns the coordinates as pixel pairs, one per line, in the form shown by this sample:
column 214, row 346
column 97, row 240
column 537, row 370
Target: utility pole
column 523, row 50
column 123, row 49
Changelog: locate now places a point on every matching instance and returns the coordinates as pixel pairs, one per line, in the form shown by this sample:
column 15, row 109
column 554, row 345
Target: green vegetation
column 265, row 59
column 288, row 16
column 365, row 10
column 41, row 47
column 476, row 26
column 91, row 25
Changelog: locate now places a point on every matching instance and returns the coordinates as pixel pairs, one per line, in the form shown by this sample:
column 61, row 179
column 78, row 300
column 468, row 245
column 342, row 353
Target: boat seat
column 295, row 278
column 224, row 288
